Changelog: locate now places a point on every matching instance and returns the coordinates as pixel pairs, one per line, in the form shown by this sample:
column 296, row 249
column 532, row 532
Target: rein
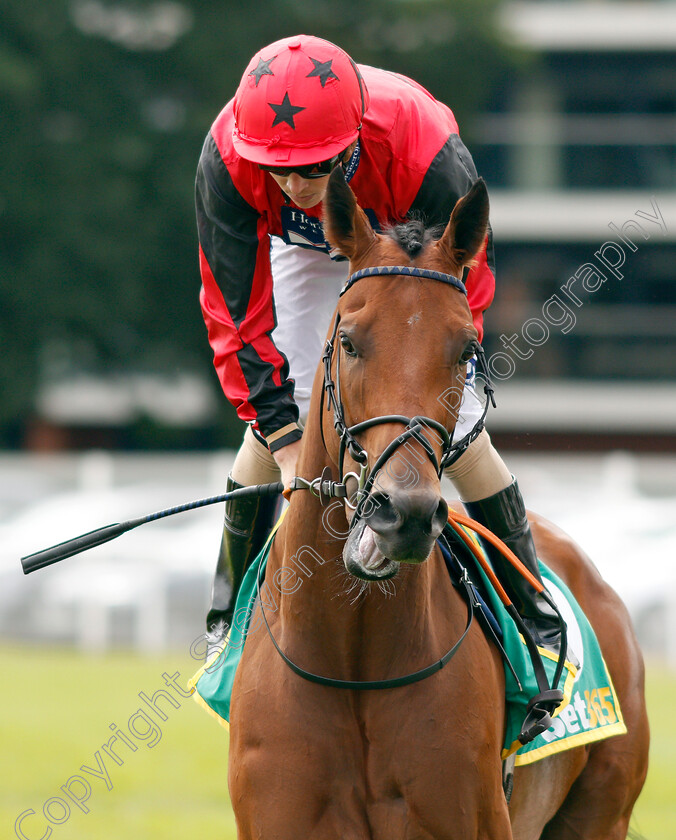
column 374, row 685
column 324, row 487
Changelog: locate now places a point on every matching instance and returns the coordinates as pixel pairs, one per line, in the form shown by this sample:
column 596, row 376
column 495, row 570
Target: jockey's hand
column 286, row 458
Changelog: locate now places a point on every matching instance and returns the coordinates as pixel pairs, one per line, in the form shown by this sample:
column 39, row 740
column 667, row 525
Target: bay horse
column 421, row 760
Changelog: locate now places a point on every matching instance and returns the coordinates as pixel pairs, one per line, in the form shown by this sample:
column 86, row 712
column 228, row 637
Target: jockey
column 270, row 284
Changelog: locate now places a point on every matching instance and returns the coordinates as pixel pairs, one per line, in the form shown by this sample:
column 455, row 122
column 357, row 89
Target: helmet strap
column 350, row 165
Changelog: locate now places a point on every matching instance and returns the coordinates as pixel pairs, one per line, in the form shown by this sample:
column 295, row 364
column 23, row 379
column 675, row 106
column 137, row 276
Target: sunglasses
column 312, row 170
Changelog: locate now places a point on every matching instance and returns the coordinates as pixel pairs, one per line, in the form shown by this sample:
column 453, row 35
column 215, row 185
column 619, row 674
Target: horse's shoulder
column 601, row 604
column 558, row 550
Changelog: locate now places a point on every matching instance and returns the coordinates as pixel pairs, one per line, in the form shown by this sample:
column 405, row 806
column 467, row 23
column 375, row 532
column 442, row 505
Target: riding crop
column 84, row 542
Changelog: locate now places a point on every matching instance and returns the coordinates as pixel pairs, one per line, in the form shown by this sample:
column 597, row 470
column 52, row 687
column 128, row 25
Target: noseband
column 413, row 426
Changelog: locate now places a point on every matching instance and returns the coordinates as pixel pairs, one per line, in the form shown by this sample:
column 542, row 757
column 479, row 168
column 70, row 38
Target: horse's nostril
column 389, row 513
column 381, row 514
column 440, row 517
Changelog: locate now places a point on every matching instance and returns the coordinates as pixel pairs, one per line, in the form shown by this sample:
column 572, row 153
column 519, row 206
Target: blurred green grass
column 655, row 811
column 57, row 706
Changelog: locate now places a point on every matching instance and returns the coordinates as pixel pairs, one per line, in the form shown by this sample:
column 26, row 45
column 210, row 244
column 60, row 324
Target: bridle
column 413, row 426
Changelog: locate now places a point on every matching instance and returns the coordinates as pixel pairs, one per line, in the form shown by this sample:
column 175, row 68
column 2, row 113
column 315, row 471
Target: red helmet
column 301, row 100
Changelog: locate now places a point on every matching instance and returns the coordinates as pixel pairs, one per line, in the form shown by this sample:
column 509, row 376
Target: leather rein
column 326, row 488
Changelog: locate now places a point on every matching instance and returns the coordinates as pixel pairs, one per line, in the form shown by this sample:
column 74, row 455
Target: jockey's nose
column 406, row 523
column 296, row 183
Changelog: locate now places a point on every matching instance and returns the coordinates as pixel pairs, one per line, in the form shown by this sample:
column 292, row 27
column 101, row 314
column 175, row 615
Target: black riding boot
column 505, row 515
column 248, row 522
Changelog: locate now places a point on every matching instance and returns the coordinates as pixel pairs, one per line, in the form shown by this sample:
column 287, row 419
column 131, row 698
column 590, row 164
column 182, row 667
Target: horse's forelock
column 413, row 236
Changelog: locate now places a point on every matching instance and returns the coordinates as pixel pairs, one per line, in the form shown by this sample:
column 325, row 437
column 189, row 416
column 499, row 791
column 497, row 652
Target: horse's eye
column 467, row 353
column 347, row 345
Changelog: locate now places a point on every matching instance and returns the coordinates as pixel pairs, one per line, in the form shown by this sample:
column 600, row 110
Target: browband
column 407, row 270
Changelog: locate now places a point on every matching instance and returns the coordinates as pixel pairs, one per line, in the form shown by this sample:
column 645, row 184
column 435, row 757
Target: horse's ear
column 466, row 230
column 346, row 226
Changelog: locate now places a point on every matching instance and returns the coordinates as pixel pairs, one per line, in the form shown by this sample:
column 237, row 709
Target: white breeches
column 306, row 288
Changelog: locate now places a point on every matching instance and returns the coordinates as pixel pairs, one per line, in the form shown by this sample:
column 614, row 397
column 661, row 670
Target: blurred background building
column 578, row 145
column 110, row 408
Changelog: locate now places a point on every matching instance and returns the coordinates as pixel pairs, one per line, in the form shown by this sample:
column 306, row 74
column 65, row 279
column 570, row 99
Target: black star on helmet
column 285, row 111
column 263, row 69
column 322, row 70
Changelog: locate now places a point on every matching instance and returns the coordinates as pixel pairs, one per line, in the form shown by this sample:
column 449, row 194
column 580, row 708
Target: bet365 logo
column 596, row 708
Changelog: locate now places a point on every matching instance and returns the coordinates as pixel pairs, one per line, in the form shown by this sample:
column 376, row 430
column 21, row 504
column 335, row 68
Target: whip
column 84, row 542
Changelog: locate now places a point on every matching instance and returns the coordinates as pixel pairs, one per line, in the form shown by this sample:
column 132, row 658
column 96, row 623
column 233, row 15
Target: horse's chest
column 346, row 765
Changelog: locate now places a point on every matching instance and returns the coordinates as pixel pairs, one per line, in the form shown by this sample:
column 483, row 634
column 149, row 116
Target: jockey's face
column 308, row 192
column 304, row 192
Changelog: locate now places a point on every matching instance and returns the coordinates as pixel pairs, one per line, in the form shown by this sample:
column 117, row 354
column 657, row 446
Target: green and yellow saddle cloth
column 590, row 710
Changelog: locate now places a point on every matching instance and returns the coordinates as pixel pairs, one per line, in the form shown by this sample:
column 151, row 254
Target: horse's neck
column 310, row 538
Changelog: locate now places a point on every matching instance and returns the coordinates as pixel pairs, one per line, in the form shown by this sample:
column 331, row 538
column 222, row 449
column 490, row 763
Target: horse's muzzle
column 396, row 527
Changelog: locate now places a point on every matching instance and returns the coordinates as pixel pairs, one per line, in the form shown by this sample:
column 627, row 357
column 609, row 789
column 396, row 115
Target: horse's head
column 400, row 347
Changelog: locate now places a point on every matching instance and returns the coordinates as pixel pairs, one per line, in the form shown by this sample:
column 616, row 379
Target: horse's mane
column 413, row 235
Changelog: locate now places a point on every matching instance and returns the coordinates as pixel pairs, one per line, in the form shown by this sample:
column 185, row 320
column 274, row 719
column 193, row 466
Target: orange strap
column 456, row 520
